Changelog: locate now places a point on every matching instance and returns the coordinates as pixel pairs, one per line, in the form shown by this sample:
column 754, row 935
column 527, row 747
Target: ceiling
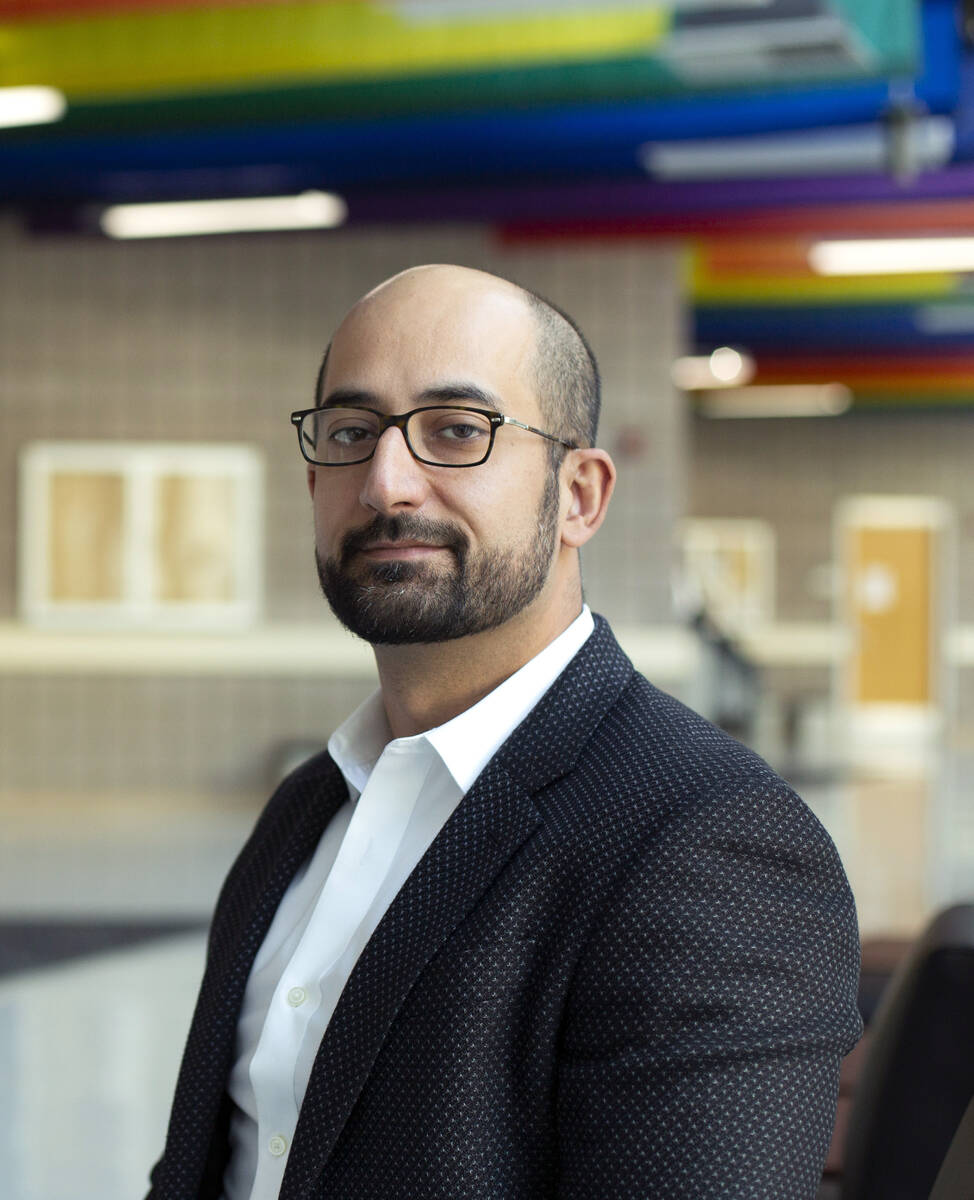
column 751, row 126
column 499, row 101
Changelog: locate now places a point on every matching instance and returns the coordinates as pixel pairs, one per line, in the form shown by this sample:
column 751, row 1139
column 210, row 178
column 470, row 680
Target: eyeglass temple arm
column 541, row 433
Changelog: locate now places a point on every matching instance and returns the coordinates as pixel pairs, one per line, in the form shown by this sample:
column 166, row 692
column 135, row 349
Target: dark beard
column 396, row 603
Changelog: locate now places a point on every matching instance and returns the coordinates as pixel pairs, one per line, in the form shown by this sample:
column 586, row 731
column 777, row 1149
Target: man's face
column 408, row 552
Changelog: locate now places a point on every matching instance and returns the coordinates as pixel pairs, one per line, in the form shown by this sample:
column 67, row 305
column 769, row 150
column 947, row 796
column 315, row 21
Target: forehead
column 418, row 334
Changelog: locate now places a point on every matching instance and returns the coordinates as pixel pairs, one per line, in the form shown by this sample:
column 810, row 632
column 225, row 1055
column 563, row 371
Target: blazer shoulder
column 653, row 765
column 606, row 746
column 671, row 745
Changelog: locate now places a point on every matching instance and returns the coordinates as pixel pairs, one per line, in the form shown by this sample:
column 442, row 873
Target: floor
column 103, row 910
column 102, row 917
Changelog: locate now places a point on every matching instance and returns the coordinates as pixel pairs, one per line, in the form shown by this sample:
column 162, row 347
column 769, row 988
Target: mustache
column 403, row 529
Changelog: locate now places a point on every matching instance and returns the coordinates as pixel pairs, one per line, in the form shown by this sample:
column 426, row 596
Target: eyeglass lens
column 450, row 437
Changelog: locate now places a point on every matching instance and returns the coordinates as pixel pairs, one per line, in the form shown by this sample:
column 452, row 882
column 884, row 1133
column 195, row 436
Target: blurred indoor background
column 762, row 214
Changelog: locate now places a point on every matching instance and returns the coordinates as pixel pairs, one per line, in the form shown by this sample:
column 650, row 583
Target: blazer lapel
column 284, row 838
column 485, row 830
column 259, row 880
column 492, row 821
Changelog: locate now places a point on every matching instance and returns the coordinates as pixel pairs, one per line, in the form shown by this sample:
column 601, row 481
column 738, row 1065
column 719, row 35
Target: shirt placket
column 296, row 1020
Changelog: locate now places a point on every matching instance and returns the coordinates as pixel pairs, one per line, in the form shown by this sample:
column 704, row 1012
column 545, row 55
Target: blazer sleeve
column 710, row 1009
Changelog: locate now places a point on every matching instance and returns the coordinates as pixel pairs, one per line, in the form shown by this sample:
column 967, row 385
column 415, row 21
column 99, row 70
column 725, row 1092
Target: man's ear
column 590, row 476
column 312, row 476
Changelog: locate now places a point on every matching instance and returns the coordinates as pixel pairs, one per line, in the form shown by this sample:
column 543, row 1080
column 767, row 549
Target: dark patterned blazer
column 626, row 967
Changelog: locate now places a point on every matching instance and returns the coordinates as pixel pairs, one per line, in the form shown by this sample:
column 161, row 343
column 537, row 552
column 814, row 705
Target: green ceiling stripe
column 862, row 398
column 457, row 91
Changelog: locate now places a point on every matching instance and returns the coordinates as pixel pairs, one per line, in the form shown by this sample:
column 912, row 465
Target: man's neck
column 424, row 686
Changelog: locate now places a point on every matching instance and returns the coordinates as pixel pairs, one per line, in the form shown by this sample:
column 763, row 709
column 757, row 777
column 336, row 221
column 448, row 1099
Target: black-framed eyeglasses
column 440, row 435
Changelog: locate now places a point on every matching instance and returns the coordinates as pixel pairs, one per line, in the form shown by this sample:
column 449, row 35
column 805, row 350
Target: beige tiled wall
column 117, row 735
column 792, row 473
column 220, row 339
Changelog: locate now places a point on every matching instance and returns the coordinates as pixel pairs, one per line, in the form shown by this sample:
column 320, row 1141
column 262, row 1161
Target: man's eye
column 461, row 431
column 349, row 435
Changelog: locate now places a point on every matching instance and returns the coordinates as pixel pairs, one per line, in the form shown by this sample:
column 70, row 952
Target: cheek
column 336, row 499
column 499, row 515
column 472, row 500
column 333, row 517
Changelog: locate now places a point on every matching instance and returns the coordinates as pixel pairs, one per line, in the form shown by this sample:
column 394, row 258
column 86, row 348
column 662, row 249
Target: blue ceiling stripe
column 838, row 327
column 457, row 148
column 939, row 81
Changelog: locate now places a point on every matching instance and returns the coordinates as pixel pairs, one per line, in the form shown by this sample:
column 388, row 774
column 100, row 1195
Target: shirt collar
column 466, row 743
column 357, row 744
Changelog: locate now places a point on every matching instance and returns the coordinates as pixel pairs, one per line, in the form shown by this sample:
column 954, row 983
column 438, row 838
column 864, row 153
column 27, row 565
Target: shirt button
column 296, row 997
column 277, row 1145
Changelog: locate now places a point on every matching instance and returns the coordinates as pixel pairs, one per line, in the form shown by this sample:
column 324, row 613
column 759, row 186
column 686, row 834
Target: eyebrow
column 444, row 393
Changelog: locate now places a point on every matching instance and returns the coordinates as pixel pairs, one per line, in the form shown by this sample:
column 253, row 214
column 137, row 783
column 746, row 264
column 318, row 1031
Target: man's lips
column 403, row 549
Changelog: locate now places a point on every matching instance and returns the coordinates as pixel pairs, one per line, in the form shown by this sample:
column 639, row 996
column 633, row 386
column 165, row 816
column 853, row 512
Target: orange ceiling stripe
column 755, row 256
column 775, row 270
column 880, row 373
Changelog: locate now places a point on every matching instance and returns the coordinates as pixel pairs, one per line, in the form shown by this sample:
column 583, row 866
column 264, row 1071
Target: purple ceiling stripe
column 638, row 198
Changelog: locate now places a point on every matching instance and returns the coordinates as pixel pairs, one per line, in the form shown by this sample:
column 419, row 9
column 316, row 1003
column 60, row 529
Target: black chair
column 956, row 1178
column 918, row 1077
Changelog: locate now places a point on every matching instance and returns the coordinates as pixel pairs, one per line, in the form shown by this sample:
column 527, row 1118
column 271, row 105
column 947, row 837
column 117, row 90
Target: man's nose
column 394, row 479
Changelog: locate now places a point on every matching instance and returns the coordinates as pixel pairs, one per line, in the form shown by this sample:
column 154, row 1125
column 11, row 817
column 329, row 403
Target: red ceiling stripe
column 931, row 217
column 910, row 361
column 898, row 371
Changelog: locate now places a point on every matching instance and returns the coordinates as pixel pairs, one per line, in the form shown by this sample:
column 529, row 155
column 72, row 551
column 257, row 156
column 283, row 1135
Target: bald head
column 563, row 370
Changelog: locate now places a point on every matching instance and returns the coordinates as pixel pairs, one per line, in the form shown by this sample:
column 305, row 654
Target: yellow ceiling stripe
column 200, row 48
column 875, row 289
column 708, row 284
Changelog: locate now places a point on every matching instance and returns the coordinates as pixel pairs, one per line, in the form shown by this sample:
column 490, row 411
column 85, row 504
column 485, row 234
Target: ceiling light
column 786, row 400
column 30, row 106
column 725, row 367
column 185, row 218
column 927, row 142
column 727, row 364
column 892, row 256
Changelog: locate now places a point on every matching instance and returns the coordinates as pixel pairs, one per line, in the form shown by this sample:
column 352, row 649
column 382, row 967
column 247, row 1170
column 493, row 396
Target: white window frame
column 140, row 465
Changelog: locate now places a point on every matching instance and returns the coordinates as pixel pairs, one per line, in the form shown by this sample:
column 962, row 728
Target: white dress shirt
column 401, row 793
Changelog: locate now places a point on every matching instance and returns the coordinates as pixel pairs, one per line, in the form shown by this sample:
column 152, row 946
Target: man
column 531, row 928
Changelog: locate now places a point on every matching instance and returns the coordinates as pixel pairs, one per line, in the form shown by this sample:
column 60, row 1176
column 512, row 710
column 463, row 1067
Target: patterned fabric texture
column 626, row 967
